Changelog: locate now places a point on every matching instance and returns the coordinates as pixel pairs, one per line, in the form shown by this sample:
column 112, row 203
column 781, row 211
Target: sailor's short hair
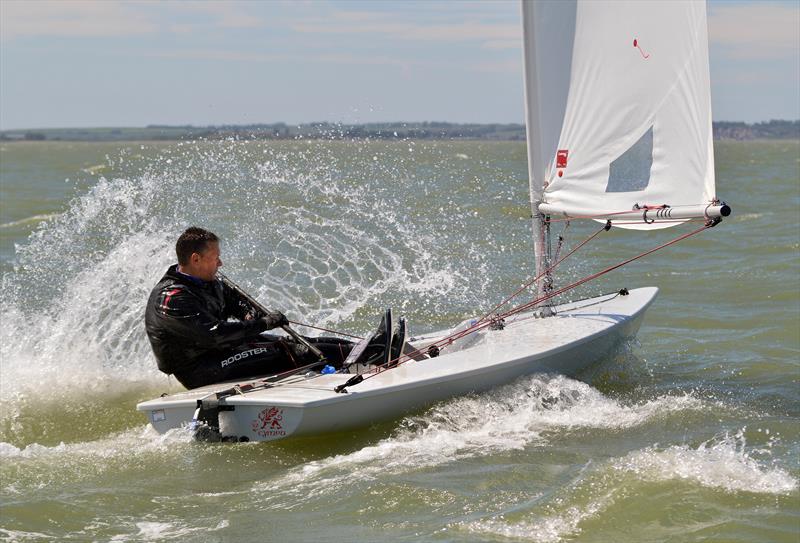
column 193, row 240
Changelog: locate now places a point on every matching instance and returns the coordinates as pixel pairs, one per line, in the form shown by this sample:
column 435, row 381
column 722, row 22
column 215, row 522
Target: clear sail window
column 630, row 172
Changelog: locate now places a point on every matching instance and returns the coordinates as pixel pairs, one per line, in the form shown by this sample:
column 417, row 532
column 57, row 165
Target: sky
column 81, row 63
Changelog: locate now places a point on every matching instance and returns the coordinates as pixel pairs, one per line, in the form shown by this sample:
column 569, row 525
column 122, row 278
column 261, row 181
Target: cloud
column 504, row 44
column 220, row 55
column 225, row 14
column 501, row 67
column 297, row 58
column 114, row 18
column 363, row 22
column 755, row 31
column 72, row 18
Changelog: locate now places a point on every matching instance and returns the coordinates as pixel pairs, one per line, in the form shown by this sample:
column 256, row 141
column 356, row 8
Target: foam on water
column 29, row 467
column 72, row 308
column 131, row 530
column 130, row 442
column 531, row 411
column 17, row 536
column 153, row 531
column 547, row 529
column 722, row 463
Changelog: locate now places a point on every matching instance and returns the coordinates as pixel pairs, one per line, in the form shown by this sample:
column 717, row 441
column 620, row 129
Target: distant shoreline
column 723, row 130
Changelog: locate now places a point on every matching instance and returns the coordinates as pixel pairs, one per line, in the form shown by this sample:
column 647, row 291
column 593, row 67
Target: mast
column 536, row 162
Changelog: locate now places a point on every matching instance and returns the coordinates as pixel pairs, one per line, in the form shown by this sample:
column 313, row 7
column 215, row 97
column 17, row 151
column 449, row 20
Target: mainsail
column 619, row 110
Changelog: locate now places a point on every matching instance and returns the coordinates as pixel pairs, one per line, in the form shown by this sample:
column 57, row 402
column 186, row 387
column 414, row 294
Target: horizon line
column 317, row 123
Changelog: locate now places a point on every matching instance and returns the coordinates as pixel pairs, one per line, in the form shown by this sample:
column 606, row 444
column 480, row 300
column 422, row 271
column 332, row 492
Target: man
column 187, row 322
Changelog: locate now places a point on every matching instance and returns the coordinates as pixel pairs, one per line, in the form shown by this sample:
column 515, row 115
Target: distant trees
column 765, row 130
column 774, row 129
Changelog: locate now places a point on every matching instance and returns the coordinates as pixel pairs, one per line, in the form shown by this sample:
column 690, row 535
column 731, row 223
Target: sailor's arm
column 239, row 307
column 184, row 315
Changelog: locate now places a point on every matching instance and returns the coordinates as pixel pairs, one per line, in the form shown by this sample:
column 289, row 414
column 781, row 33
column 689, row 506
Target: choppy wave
column 26, row 471
column 334, row 237
column 128, row 443
column 722, row 463
column 546, row 529
column 159, row 530
column 540, row 412
column 532, row 411
column 17, row 536
column 133, row 530
column 97, row 168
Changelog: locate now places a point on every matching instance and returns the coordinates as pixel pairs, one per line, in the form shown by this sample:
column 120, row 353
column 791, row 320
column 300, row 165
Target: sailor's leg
column 243, row 362
column 398, row 342
column 334, row 349
column 375, row 349
column 379, row 349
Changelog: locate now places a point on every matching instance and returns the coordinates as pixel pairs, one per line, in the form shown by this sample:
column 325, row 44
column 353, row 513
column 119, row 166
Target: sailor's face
column 206, row 264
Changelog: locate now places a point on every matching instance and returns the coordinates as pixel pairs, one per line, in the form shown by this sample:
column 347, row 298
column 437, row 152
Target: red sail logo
column 561, row 161
column 269, row 423
column 561, row 158
column 639, row 47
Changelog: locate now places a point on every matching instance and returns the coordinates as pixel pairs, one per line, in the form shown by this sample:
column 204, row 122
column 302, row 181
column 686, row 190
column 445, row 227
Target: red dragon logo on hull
column 268, row 423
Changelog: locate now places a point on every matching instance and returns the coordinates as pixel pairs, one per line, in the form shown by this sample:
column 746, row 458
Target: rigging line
column 611, row 296
column 447, row 340
column 561, row 240
column 324, row 329
column 605, row 271
column 561, row 290
column 538, row 277
column 479, row 326
column 484, row 321
column 271, row 381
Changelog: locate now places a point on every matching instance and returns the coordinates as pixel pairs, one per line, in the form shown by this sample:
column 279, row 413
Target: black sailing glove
column 274, row 319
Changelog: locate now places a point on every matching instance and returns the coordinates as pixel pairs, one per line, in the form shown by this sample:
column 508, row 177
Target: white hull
column 578, row 335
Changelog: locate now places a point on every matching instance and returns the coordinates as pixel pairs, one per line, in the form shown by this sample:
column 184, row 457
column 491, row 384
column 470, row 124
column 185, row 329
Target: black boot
column 398, row 342
column 379, row 350
column 375, row 348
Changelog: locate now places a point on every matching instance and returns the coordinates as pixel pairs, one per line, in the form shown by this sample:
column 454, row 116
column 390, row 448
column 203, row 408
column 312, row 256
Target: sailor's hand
column 298, row 349
column 274, row 319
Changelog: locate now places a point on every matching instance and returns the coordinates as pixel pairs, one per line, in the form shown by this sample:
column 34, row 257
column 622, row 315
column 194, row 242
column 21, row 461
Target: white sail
column 619, row 106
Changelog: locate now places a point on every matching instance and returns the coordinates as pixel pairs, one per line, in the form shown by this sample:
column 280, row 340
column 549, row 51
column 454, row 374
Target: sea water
column 689, row 433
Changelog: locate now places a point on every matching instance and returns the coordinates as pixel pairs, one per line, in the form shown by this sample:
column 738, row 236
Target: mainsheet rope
column 325, row 329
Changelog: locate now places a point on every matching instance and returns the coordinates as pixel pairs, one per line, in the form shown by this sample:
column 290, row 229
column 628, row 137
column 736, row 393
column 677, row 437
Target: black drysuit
column 188, row 327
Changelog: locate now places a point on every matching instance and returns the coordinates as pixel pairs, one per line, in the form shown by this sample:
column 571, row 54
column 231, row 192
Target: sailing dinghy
column 618, row 121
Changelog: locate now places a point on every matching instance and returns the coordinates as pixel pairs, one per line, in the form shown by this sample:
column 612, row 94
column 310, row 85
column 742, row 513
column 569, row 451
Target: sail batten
column 627, row 117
